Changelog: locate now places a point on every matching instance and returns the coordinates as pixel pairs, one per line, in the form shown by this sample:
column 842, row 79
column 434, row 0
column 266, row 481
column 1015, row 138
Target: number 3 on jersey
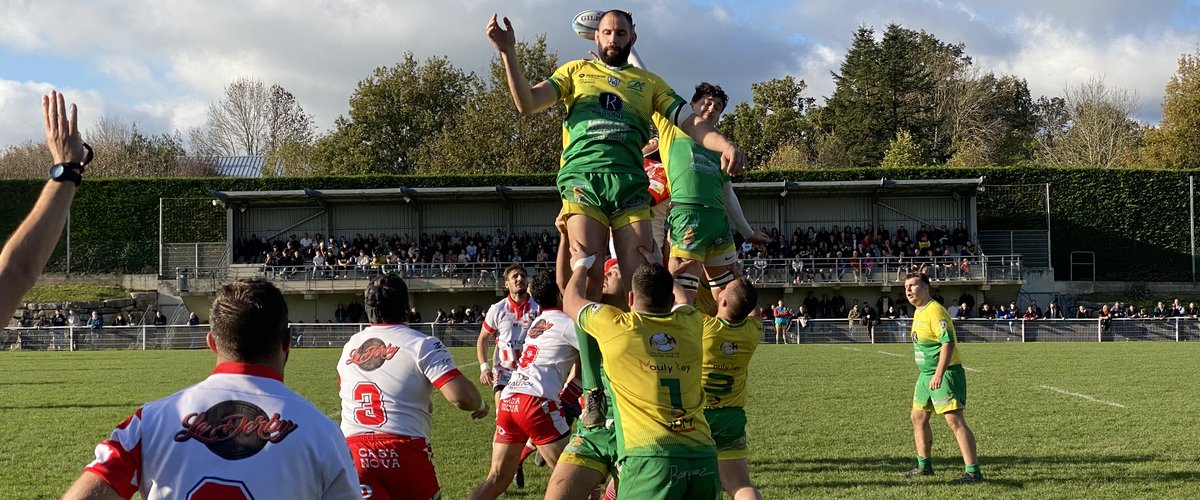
column 528, row 356
column 370, row 410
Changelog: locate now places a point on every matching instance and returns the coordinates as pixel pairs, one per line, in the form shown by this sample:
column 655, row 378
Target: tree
column 27, row 160
column 902, row 152
column 501, row 140
column 777, row 117
column 1098, row 128
column 252, row 119
column 122, row 150
column 789, row 155
column 830, row 152
column 393, row 112
column 1175, row 143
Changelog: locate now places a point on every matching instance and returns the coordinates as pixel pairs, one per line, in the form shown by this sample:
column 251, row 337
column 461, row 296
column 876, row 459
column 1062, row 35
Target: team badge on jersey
column 614, row 81
column 371, row 354
column 538, row 328
column 234, row 430
column 662, row 342
column 728, row 348
column 942, row 326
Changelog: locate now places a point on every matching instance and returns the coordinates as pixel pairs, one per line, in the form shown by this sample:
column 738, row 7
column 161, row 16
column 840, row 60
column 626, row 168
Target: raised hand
column 502, row 39
column 62, row 129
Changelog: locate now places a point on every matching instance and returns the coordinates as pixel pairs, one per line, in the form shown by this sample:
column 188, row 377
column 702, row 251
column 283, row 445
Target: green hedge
column 1135, row 220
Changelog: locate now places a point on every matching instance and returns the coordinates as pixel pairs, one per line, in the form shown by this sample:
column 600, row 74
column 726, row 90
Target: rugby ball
column 586, row 22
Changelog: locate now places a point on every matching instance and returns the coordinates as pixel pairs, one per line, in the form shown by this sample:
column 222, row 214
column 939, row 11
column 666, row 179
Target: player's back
column 551, row 347
column 727, row 352
column 387, row 374
column 653, row 363
column 235, row 434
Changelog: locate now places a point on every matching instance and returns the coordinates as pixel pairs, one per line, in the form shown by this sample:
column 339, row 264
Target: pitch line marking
column 890, row 354
column 967, row 368
column 1084, row 396
column 852, row 349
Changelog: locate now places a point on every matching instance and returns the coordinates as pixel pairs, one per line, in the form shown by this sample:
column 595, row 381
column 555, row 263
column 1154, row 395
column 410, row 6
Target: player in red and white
column 239, row 434
column 530, row 408
column 386, row 375
column 504, row 325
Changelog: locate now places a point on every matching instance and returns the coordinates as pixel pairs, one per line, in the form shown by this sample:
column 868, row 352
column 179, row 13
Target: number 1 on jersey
column 370, row 410
column 672, row 385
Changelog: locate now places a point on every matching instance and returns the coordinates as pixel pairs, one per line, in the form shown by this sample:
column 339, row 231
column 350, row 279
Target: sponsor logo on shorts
column 371, row 354
column 234, row 430
column 662, row 342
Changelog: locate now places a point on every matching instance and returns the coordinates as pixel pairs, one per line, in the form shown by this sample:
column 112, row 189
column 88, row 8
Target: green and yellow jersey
column 727, row 352
column 694, row 173
column 609, row 114
column 653, row 366
column 932, row 327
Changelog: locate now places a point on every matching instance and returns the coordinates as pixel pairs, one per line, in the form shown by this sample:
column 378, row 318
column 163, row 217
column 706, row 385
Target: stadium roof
column 236, row 166
column 922, row 187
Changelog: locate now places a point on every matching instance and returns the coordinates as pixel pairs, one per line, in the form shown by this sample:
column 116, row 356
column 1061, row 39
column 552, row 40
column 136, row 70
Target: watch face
column 57, row 171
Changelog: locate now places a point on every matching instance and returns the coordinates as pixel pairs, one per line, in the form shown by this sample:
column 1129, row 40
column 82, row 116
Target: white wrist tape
column 483, row 367
column 585, row 262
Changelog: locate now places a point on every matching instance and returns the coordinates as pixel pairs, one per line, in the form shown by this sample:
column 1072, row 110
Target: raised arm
column 737, row 219
column 575, row 294
column 30, row 246
column 528, row 100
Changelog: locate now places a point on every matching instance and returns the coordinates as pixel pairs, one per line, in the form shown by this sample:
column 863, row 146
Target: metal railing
column 874, row 271
column 816, row 331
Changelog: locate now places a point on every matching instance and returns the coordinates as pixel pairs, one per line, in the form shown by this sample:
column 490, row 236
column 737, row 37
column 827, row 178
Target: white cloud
column 21, row 103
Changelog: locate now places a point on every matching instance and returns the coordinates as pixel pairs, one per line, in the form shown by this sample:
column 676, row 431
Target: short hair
column 921, row 276
column 741, row 298
column 249, row 320
column 710, row 90
column 624, row 15
column 654, row 286
column 544, row 289
column 386, row 300
column 514, row 267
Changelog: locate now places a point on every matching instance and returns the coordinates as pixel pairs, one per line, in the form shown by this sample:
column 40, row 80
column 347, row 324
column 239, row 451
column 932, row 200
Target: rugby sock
column 971, row 468
column 924, row 463
column 528, row 450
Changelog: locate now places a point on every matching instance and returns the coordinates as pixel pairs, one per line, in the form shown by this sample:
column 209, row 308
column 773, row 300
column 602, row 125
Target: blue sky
column 160, row 63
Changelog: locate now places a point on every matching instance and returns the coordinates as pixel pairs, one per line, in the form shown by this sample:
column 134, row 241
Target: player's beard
column 619, row 57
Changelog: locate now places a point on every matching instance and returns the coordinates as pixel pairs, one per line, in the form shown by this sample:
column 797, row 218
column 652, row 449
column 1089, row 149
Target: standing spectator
column 781, row 315
column 1030, row 314
column 159, row 319
column 59, row 323
column 1052, row 311
column 441, row 316
column 1082, row 312
column 72, row 318
column 120, row 320
column 870, row 318
column 339, row 314
column 964, row 312
column 986, row 312
column 194, row 320
column 94, row 324
column 853, row 316
column 414, row 316
column 802, row 319
column 300, row 455
column 1160, row 311
column 1105, row 317
column 388, row 361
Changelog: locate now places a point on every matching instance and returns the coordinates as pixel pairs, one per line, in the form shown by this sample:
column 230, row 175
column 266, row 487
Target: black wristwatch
column 63, row 172
column 71, row 171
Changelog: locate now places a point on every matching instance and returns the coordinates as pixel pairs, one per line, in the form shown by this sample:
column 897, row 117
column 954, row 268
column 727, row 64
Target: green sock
column 924, row 463
column 972, row 468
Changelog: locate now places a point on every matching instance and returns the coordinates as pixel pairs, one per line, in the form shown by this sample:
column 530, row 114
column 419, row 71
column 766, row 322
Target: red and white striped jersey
column 508, row 320
column 386, row 375
column 238, row 434
column 551, row 347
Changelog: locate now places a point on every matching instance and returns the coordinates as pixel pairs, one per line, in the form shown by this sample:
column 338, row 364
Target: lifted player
column 530, row 408
column 386, row 375
column 609, row 109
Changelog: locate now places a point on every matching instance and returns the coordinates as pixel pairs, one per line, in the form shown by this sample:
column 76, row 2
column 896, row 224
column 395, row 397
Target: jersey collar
column 235, row 368
column 518, row 307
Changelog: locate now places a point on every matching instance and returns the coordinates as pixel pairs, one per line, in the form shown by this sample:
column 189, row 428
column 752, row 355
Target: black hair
column 386, row 300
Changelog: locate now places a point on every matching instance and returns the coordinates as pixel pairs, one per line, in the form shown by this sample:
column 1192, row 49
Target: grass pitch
column 825, row 421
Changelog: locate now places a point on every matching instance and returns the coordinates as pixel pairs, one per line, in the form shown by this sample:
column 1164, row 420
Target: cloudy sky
column 160, row 63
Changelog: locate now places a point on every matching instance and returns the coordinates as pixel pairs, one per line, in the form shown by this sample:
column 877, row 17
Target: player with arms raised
column 386, row 375
column 942, row 383
column 530, row 408
column 610, row 105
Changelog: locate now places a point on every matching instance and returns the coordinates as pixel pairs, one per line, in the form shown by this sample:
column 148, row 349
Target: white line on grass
column 890, row 354
column 852, row 349
column 1084, row 396
column 967, row 368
